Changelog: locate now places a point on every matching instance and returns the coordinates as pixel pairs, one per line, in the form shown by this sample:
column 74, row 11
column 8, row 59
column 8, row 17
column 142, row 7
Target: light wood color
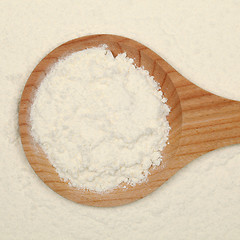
column 200, row 121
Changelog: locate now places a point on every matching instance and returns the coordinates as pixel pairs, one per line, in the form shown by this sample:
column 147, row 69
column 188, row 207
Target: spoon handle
column 208, row 121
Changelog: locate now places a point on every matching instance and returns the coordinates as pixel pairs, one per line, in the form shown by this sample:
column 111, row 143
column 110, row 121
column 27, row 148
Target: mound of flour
column 100, row 120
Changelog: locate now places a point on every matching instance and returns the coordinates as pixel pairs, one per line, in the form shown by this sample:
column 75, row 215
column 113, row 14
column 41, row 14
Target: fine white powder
column 100, row 120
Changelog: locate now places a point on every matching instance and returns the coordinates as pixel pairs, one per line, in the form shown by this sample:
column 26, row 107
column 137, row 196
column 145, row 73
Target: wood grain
column 200, row 121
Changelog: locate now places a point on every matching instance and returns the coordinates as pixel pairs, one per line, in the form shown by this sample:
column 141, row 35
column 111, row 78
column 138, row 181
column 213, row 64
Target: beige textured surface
column 202, row 200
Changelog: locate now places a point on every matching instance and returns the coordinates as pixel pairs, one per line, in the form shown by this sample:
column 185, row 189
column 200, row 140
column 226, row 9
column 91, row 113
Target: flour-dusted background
column 201, row 39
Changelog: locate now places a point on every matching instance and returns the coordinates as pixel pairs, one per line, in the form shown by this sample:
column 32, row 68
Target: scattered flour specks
column 202, row 201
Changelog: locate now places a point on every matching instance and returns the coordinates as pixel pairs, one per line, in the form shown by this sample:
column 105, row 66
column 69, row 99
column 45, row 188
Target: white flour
column 101, row 120
column 202, row 201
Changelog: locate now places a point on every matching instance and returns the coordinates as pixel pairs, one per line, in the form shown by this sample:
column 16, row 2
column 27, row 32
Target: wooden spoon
column 200, row 121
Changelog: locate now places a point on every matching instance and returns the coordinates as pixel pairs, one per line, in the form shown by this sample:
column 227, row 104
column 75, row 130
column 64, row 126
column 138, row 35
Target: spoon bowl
column 200, row 121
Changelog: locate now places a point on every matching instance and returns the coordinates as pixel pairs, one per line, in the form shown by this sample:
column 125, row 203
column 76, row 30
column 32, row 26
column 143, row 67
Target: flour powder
column 100, row 120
